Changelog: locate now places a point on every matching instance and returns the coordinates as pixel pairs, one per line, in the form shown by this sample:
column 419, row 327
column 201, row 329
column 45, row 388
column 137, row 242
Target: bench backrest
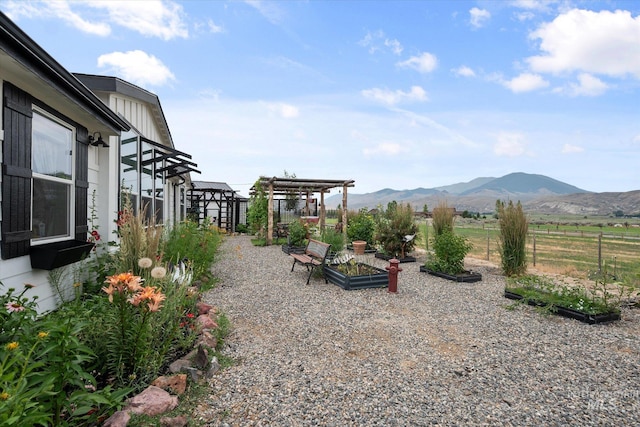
column 317, row 249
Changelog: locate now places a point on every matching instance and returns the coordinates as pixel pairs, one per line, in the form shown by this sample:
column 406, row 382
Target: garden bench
column 314, row 255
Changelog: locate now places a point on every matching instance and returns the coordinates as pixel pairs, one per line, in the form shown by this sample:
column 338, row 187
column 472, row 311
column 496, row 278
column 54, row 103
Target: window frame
column 71, row 183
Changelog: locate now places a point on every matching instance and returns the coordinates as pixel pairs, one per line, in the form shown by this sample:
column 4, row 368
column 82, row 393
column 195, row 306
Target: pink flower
column 14, row 307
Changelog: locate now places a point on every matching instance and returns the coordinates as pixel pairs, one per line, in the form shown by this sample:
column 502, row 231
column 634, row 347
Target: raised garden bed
column 466, row 276
column 377, row 277
column 385, row 257
column 568, row 312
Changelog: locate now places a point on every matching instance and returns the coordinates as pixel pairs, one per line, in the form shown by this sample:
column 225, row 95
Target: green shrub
column 360, row 226
column 258, row 212
column 391, row 228
column 513, row 238
column 334, row 238
column 297, row 233
column 449, row 252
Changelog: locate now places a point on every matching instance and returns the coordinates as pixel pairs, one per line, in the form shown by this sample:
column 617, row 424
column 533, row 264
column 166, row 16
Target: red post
column 393, row 269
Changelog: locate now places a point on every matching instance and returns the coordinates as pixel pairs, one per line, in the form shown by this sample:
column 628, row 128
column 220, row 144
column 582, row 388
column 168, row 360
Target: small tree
column 393, row 226
column 514, row 227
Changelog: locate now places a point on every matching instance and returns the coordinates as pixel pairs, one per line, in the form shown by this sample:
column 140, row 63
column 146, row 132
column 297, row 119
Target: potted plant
column 360, row 226
column 586, row 305
column 296, row 238
column 350, row 274
column 395, row 233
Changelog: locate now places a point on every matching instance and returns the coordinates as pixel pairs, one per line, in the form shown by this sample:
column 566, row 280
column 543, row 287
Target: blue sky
column 397, row 94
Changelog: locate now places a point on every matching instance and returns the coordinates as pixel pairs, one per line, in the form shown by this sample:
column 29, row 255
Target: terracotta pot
column 359, row 246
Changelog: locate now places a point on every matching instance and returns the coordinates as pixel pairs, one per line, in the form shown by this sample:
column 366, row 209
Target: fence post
column 600, row 252
column 534, row 248
column 488, row 245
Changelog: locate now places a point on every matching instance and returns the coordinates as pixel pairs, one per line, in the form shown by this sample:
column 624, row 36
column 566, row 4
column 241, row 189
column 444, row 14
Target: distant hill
column 538, row 193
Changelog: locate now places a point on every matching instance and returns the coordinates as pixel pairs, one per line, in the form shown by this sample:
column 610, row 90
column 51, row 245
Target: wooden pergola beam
column 284, row 186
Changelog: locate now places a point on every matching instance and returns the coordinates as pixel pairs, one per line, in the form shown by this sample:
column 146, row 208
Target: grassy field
column 571, row 250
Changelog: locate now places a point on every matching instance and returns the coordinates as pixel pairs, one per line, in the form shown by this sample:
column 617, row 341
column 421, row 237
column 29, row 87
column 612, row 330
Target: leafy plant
column 258, row 212
column 360, row 226
column 334, row 238
column 393, row 226
column 513, row 238
column 297, row 233
column 449, row 253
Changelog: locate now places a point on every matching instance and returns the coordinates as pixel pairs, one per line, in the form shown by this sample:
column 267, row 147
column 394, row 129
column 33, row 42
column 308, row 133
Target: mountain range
column 537, row 193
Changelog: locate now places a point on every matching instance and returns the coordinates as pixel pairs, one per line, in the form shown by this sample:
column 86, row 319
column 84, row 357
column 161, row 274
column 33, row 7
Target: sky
column 390, row 94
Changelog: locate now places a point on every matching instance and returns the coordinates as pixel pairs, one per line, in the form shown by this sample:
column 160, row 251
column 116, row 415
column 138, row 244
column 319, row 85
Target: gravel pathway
column 435, row 353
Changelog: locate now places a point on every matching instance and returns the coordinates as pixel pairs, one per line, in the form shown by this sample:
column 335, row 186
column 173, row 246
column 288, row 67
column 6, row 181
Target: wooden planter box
column 467, row 276
column 380, row 279
column 54, row 255
column 569, row 312
column 385, row 257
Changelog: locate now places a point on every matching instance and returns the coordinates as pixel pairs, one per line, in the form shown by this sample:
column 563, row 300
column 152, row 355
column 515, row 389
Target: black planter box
column 569, row 312
column 53, row 255
column 385, row 257
column 288, row 249
column 467, row 276
column 380, row 279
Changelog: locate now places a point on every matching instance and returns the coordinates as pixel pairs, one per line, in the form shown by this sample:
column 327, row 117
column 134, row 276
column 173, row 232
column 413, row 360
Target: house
column 63, row 168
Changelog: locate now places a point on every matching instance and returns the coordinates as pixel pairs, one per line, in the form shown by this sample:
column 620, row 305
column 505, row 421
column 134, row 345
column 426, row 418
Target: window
column 142, row 175
column 52, row 178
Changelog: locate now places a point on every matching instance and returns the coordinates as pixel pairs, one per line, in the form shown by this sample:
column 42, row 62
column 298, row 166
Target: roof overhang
column 25, row 64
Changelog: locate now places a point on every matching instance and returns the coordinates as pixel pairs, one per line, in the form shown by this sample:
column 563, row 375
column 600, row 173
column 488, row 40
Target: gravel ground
column 435, row 353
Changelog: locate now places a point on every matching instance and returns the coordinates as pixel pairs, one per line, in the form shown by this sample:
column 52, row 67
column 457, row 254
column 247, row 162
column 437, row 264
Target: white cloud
column 286, row 111
column 594, row 42
column 163, row 19
column 478, row 17
column 525, row 82
column 214, row 28
column 137, row 67
column 423, row 63
column 377, row 42
column 538, row 5
column 588, row 85
column 391, row 97
column 152, row 18
column 570, row 149
column 463, row 71
column 510, row 144
column 271, row 11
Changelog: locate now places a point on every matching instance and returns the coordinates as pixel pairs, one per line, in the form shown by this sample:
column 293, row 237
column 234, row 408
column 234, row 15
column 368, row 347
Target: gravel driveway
column 435, row 353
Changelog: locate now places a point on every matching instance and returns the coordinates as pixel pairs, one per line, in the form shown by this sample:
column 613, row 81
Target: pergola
column 285, row 186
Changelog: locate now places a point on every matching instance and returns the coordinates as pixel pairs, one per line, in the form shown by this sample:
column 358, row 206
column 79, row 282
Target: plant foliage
column 392, row 228
column 449, row 253
column 514, row 226
column 360, row 226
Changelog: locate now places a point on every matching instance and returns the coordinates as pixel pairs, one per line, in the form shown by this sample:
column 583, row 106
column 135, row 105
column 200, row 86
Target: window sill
column 53, row 255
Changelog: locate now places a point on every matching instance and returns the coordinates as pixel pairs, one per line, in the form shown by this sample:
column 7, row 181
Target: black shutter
column 82, row 182
column 16, row 173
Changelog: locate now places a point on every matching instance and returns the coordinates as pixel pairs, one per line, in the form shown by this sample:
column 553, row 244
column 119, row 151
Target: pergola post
column 344, row 212
column 322, row 211
column 270, row 216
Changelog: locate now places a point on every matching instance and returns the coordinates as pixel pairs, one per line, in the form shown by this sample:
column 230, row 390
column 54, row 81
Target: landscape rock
column 180, row 421
column 179, row 365
column 174, row 383
column 205, row 322
column 203, row 308
column 207, row 339
column 118, row 419
column 152, row 401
